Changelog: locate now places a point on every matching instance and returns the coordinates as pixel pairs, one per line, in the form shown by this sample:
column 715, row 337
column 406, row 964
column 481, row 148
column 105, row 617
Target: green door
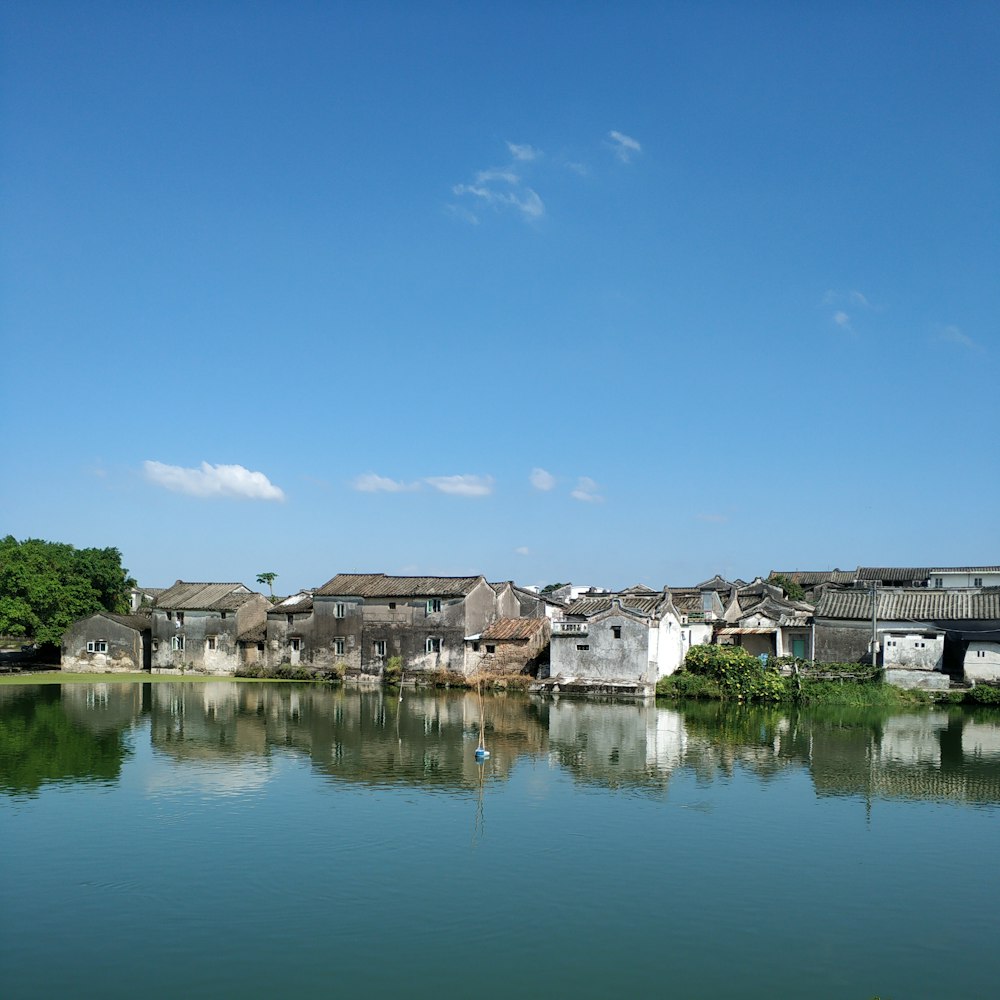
column 799, row 649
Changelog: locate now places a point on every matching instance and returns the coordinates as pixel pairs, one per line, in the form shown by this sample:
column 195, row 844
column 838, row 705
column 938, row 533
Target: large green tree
column 46, row 586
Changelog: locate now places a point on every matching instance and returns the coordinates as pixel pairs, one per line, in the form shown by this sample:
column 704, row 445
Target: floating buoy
column 482, row 753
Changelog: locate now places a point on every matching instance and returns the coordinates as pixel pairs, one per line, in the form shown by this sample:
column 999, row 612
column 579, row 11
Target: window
column 378, row 647
column 177, row 643
column 938, row 582
column 616, row 631
column 170, row 616
column 180, row 617
column 296, row 644
column 977, row 581
column 434, row 604
column 97, row 646
column 290, row 619
column 980, row 652
column 260, row 647
column 338, row 645
column 583, row 647
column 433, row 644
column 475, row 647
column 224, row 613
column 340, row 610
column 392, row 605
column 210, row 642
column 156, row 645
column 491, row 649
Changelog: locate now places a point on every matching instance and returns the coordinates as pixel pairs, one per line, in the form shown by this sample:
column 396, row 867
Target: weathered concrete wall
column 598, row 655
column 927, row 680
column 512, row 656
column 982, row 661
column 322, row 633
column 127, row 649
column 843, row 642
column 913, row 650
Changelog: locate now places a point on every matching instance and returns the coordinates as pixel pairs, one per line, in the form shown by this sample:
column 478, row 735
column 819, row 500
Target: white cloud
column 462, row 486
column 522, row 550
column 953, row 335
column 713, row 518
column 843, row 321
column 542, row 480
column 524, row 153
column 859, row 299
column 371, row 482
column 501, row 188
column 213, row 481
column 624, row 146
column 586, row 490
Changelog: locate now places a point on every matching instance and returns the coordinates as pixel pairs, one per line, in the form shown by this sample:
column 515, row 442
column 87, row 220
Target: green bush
column 739, row 674
column 983, row 694
column 685, row 685
column 393, row 669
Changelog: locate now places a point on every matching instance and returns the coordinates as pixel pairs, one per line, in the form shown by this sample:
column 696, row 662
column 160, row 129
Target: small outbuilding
column 107, row 643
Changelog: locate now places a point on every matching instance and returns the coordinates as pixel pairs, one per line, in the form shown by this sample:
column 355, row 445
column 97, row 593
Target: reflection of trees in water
column 77, row 732
column 45, row 738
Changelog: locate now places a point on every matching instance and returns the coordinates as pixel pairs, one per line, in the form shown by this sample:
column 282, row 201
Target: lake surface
column 223, row 839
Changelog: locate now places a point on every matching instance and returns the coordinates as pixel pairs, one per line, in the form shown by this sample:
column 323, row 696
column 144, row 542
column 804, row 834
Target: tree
column 269, row 579
column 793, row 591
column 46, row 586
column 549, row 587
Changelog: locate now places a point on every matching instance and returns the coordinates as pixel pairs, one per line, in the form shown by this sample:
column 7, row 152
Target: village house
column 922, row 623
column 197, row 626
column 509, row 646
column 964, row 577
column 362, row 620
column 765, row 622
column 617, row 642
column 107, row 643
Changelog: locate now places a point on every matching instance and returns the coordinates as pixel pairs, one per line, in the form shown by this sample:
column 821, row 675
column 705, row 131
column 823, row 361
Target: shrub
column 739, row 674
column 983, row 694
column 685, row 685
column 393, row 669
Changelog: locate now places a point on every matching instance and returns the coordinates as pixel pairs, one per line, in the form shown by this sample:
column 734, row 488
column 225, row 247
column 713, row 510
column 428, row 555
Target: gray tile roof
column 966, row 569
column 203, row 597
column 918, row 604
column 642, row 607
column 716, row 583
column 297, row 604
column 893, row 574
column 812, row 577
column 141, row 623
column 513, row 628
column 380, row 585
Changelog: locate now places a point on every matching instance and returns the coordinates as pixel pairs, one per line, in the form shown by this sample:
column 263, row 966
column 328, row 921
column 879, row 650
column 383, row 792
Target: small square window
column 210, row 642
column 177, row 643
column 289, row 619
column 170, row 616
column 180, row 617
column 91, row 647
column 392, row 605
column 433, row 605
column 582, row 648
column 433, row 644
column 491, row 649
column 938, row 582
column 616, row 631
column 296, row 644
column 260, row 647
column 156, row 645
column 977, row 581
column 378, row 647
column 224, row 613
column 338, row 646
column 475, row 647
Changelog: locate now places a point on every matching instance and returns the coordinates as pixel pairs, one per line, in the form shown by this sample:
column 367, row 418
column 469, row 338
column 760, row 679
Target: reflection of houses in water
column 616, row 745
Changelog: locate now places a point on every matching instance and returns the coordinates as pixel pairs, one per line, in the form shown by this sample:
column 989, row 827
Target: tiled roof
column 893, row 574
column 643, row 607
column 255, row 633
column 140, row 623
column 297, row 604
column 686, row 599
column 917, row 604
column 716, row 583
column 810, row 577
column 203, row 597
column 513, row 628
column 380, row 585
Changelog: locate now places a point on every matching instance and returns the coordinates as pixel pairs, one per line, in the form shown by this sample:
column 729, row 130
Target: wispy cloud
column 522, row 550
column 713, row 518
column 842, row 320
column 523, row 152
column 542, row 480
column 213, row 481
column 623, row 146
column 501, row 189
column 462, row 486
column 586, row 491
column 371, row 482
column 953, row 335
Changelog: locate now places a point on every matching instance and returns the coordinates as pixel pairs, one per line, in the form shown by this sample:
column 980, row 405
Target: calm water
column 220, row 839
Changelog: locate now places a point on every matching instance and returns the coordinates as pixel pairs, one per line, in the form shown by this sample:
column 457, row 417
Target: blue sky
column 567, row 291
